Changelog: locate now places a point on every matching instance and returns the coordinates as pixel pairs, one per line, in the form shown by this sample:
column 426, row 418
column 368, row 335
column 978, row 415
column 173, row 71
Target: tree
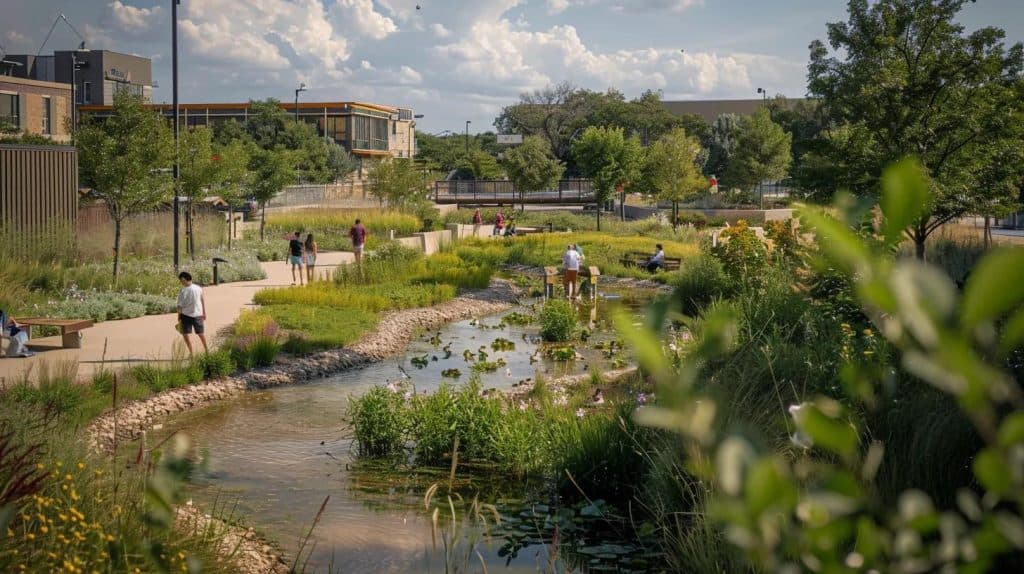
column 610, row 160
column 481, row 165
column 272, row 171
column 904, row 73
column 125, row 159
column 672, row 169
column 555, row 113
column 198, row 172
column 233, row 177
column 762, row 151
column 397, row 183
column 531, row 167
column 339, row 161
column 722, row 141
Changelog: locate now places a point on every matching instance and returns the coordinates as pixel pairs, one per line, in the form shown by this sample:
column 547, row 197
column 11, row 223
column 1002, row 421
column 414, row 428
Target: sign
column 510, row 139
column 119, row 75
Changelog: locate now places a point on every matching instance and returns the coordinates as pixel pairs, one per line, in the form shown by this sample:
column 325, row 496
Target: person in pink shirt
column 499, row 223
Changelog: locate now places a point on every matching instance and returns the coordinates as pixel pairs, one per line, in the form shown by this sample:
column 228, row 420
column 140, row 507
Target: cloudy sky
column 457, row 60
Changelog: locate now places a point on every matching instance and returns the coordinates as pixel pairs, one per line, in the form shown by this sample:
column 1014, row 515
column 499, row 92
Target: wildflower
column 44, row 529
column 641, row 398
column 30, row 536
column 579, row 413
column 81, row 466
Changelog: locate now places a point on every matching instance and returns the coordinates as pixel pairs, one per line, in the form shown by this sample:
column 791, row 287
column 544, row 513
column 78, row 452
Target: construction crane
column 61, row 16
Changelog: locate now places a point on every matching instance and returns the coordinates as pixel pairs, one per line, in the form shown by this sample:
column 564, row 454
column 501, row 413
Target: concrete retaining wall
column 460, row 231
column 730, row 215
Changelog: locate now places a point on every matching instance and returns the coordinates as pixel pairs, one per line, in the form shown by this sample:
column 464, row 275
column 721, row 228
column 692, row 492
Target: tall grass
column 380, row 298
column 330, row 227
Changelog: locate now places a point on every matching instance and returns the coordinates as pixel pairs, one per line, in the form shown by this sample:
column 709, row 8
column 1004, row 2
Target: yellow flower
column 68, row 477
column 110, row 538
column 44, row 529
column 81, row 466
column 30, row 536
column 10, row 532
column 40, row 466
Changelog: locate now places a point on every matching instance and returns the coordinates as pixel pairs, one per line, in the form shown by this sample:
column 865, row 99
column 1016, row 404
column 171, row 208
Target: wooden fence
column 38, row 197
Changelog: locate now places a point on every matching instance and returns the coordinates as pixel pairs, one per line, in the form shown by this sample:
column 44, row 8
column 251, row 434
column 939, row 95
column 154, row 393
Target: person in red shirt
column 478, row 220
column 358, row 234
column 499, row 223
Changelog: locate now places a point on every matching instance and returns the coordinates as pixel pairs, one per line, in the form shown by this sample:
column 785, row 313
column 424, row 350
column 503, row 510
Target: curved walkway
column 151, row 338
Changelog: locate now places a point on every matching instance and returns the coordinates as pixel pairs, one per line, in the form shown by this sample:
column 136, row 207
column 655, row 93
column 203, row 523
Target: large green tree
column 480, row 165
column 397, row 183
column 126, row 159
column 904, row 79
column 272, row 170
column 672, row 169
column 761, row 153
column 721, row 143
column 198, row 172
column 610, row 160
column 531, row 167
column 233, row 177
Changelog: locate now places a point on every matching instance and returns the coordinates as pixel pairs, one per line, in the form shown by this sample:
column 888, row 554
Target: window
column 9, row 116
column 86, row 92
column 370, row 133
column 47, row 115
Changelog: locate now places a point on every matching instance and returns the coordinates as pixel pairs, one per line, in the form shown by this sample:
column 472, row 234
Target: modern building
column 36, row 107
column 96, row 74
column 709, row 110
column 365, row 130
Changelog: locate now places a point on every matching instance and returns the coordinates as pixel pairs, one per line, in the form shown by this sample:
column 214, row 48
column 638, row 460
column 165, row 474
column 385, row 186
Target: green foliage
column 558, row 321
column 480, row 165
column 382, row 298
column 671, row 170
column 215, row 365
column 440, row 417
column 322, row 327
column 122, row 159
column 531, row 167
column 397, row 183
column 609, row 159
column 701, row 281
column 271, row 170
column 380, row 420
column 761, row 151
column 743, row 255
column 957, row 94
column 331, row 226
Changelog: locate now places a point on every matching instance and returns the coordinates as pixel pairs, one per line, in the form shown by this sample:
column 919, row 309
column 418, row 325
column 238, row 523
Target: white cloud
column 407, row 75
column 15, row 38
column 267, row 34
column 133, row 19
column 365, row 65
column 439, row 30
column 559, row 6
column 365, row 18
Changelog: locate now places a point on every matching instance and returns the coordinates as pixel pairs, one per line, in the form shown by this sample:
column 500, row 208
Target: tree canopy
column 761, row 151
column 904, row 79
column 609, row 159
column 531, row 167
column 672, row 169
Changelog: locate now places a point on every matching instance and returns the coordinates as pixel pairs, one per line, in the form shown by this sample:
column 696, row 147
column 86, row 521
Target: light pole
column 301, row 88
column 467, row 136
column 764, row 94
column 174, row 89
column 76, row 65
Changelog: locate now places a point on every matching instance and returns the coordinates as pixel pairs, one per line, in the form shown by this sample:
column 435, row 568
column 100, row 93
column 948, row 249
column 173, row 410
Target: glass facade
column 370, row 133
column 47, row 115
column 9, row 112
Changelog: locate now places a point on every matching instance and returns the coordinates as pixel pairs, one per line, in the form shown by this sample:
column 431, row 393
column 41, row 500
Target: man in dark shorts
column 295, row 256
column 191, row 310
column 358, row 234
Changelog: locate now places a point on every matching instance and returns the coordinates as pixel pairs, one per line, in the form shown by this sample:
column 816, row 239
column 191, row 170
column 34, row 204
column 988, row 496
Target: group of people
column 499, row 224
column 303, row 253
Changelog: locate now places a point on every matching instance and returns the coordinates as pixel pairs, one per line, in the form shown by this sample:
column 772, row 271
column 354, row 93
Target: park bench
column 640, row 259
column 70, row 329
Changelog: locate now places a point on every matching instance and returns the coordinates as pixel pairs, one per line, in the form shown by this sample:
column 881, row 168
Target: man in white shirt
column 571, row 263
column 191, row 310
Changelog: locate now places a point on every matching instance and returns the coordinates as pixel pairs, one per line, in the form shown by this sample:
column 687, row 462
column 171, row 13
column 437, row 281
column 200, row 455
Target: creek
column 270, row 458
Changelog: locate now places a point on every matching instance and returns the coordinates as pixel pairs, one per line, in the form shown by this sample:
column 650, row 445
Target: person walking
column 310, row 250
column 191, row 311
column 571, row 264
column 358, row 234
column 499, row 223
column 295, row 257
column 478, row 220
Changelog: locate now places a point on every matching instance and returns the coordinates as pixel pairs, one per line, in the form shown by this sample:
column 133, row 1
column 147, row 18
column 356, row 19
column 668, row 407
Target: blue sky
column 455, row 60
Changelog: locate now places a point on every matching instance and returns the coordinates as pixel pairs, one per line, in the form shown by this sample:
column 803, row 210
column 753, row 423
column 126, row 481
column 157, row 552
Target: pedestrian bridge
column 502, row 192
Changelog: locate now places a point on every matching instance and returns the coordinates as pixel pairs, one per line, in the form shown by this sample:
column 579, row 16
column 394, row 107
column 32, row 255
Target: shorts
column 295, row 260
column 358, row 248
column 571, row 275
column 311, row 260
column 189, row 324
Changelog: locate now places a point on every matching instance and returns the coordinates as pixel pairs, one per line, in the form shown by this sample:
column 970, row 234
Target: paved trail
column 152, row 338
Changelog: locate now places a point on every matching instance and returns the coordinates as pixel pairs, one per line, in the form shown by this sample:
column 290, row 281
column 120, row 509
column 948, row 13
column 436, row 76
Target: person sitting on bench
column 657, row 261
column 18, row 336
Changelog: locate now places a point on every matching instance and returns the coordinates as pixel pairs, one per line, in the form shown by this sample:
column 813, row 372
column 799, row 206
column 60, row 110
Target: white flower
column 579, row 413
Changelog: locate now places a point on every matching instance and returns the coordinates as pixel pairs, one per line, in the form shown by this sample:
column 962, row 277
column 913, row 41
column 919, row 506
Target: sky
column 457, row 60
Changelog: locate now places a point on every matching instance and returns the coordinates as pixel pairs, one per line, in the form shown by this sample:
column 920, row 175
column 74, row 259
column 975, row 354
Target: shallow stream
column 271, row 458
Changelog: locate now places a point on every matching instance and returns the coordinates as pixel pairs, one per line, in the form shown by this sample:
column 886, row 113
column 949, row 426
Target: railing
column 500, row 191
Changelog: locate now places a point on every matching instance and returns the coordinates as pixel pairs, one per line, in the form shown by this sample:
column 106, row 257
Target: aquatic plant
column 558, row 321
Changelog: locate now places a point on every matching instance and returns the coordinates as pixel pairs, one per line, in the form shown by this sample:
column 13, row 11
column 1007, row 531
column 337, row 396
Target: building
column 36, row 107
column 97, row 74
column 709, row 110
column 365, row 130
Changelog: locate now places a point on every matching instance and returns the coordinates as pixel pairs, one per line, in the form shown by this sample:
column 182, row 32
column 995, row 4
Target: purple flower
column 641, row 398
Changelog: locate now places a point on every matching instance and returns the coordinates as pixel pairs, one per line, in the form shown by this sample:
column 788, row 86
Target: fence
column 38, row 195
column 500, row 191
column 349, row 193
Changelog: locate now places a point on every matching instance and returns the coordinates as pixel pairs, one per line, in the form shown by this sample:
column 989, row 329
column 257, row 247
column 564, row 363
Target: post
column 174, row 87
column 74, row 96
column 467, row 137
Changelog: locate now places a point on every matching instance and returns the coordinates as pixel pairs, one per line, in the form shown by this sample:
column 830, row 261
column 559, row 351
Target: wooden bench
column 70, row 329
column 640, row 259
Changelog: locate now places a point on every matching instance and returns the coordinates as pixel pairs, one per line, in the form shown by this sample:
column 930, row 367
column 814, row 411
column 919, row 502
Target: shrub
column 215, row 364
column 263, row 351
column 151, row 377
column 379, row 419
column 441, row 416
column 700, row 282
column 743, row 255
column 558, row 321
column 103, row 382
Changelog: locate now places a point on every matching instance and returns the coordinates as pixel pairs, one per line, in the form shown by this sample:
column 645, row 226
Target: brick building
column 36, row 107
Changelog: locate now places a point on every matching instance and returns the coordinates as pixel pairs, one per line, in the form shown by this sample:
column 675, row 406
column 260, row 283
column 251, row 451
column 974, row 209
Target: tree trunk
column 920, row 234
column 622, row 206
column 190, row 229
column 675, row 215
column 231, row 224
column 600, row 206
column 988, row 233
column 117, row 247
column 263, row 220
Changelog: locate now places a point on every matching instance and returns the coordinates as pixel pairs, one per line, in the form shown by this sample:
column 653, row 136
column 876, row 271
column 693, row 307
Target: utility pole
column 467, row 137
column 301, row 88
column 174, row 88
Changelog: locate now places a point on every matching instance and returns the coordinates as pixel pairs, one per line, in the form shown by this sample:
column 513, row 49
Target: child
column 17, row 335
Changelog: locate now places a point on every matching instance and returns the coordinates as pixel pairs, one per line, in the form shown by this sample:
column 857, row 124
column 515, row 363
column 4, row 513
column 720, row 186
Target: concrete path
column 151, row 338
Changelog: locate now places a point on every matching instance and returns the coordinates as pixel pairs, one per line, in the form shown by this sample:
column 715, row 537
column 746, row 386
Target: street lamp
column 301, row 88
column 764, row 94
column 174, row 90
column 76, row 65
column 467, row 135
